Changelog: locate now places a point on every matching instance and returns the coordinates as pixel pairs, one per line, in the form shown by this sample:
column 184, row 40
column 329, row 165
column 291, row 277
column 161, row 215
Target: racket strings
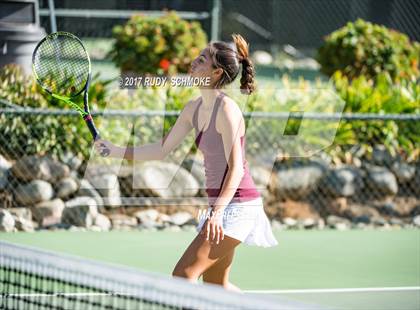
column 62, row 65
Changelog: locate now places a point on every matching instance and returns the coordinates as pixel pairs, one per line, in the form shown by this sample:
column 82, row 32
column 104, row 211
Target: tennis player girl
column 235, row 213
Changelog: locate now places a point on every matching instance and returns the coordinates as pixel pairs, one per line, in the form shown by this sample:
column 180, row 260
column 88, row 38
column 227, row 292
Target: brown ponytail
column 229, row 58
column 248, row 72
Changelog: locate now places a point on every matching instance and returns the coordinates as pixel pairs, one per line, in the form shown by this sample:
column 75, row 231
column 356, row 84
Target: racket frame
column 85, row 112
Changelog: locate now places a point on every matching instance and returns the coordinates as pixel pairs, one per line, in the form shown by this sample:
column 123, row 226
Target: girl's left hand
column 213, row 227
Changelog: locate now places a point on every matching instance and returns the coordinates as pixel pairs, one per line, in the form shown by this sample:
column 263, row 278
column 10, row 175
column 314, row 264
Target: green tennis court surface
column 340, row 269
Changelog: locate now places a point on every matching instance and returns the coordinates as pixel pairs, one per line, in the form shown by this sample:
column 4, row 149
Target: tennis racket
column 61, row 66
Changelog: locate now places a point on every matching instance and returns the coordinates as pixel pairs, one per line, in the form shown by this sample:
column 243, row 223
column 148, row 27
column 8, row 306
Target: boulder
column 122, row 220
column 48, row 213
column 165, row 180
column 33, row 192
column 7, row 222
column 24, row 213
column 66, row 187
column 109, row 188
column 182, row 218
column 102, row 222
column 296, row 181
column 86, row 189
column 341, row 182
column 403, row 171
column 33, row 167
column 80, row 211
column 381, row 181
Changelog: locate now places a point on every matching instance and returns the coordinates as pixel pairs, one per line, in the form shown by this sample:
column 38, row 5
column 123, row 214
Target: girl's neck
column 209, row 96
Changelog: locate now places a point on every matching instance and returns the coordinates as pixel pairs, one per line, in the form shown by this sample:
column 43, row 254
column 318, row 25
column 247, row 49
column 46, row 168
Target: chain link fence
column 266, row 23
column 361, row 182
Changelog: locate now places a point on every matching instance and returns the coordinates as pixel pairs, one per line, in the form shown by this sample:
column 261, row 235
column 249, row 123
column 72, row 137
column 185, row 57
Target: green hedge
column 157, row 45
column 363, row 48
column 36, row 134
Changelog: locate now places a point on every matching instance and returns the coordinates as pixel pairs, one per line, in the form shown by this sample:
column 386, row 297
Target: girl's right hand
column 105, row 148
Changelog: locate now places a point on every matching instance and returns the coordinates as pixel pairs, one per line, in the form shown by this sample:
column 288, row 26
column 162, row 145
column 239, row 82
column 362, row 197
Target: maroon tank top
column 210, row 143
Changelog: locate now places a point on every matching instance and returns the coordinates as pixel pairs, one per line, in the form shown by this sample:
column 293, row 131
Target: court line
column 336, row 290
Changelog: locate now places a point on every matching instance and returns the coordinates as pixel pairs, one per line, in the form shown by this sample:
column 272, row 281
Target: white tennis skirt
column 245, row 221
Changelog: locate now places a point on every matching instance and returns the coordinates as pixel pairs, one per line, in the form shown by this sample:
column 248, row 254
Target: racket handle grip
column 95, row 134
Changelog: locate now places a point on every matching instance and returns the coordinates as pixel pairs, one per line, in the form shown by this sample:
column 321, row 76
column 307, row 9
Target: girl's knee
column 185, row 273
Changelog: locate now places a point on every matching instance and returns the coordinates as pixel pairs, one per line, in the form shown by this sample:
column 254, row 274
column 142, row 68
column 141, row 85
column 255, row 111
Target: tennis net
column 31, row 278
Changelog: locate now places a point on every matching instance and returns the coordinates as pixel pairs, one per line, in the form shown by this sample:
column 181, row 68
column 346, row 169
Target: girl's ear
column 218, row 72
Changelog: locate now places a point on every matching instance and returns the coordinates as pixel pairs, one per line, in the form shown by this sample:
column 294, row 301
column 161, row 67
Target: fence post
column 215, row 20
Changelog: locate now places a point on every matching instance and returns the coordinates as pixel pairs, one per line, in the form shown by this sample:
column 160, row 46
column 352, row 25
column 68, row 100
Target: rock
column 380, row 180
column 5, row 166
column 396, row 221
column 33, row 192
column 297, row 210
column 164, row 218
column 341, row 226
column 309, row 223
column 379, row 221
column 80, row 211
column 151, row 224
column 95, row 228
column 336, row 206
column 416, row 180
column 102, row 222
column 24, row 213
column 388, row 208
column 30, row 168
column 23, row 224
column 416, row 220
column 166, row 180
column 120, row 220
column 261, row 176
column 365, row 219
column 403, row 171
column 71, row 160
column 58, row 170
column 6, row 199
column 298, row 180
column 289, row 222
column 4, row 176
column 381, row 156
column 109, row 188
column 33, row 167
column 276, row 225
column 7, row 222
column 147, row 229
column 341, row 182
column 399, row 206
column 333, row 220
column 196, row 167
column 48, row 213
column 320, row 224
column 147, row 215
column 182, row 218
column 360, row 225
column 66, row 187
column 189, row 228
column 359, row 213
column 86, row 189
column 172, row 228
column 77, row 229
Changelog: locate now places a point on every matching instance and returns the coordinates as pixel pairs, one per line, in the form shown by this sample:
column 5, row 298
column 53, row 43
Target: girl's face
column 202, row 66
